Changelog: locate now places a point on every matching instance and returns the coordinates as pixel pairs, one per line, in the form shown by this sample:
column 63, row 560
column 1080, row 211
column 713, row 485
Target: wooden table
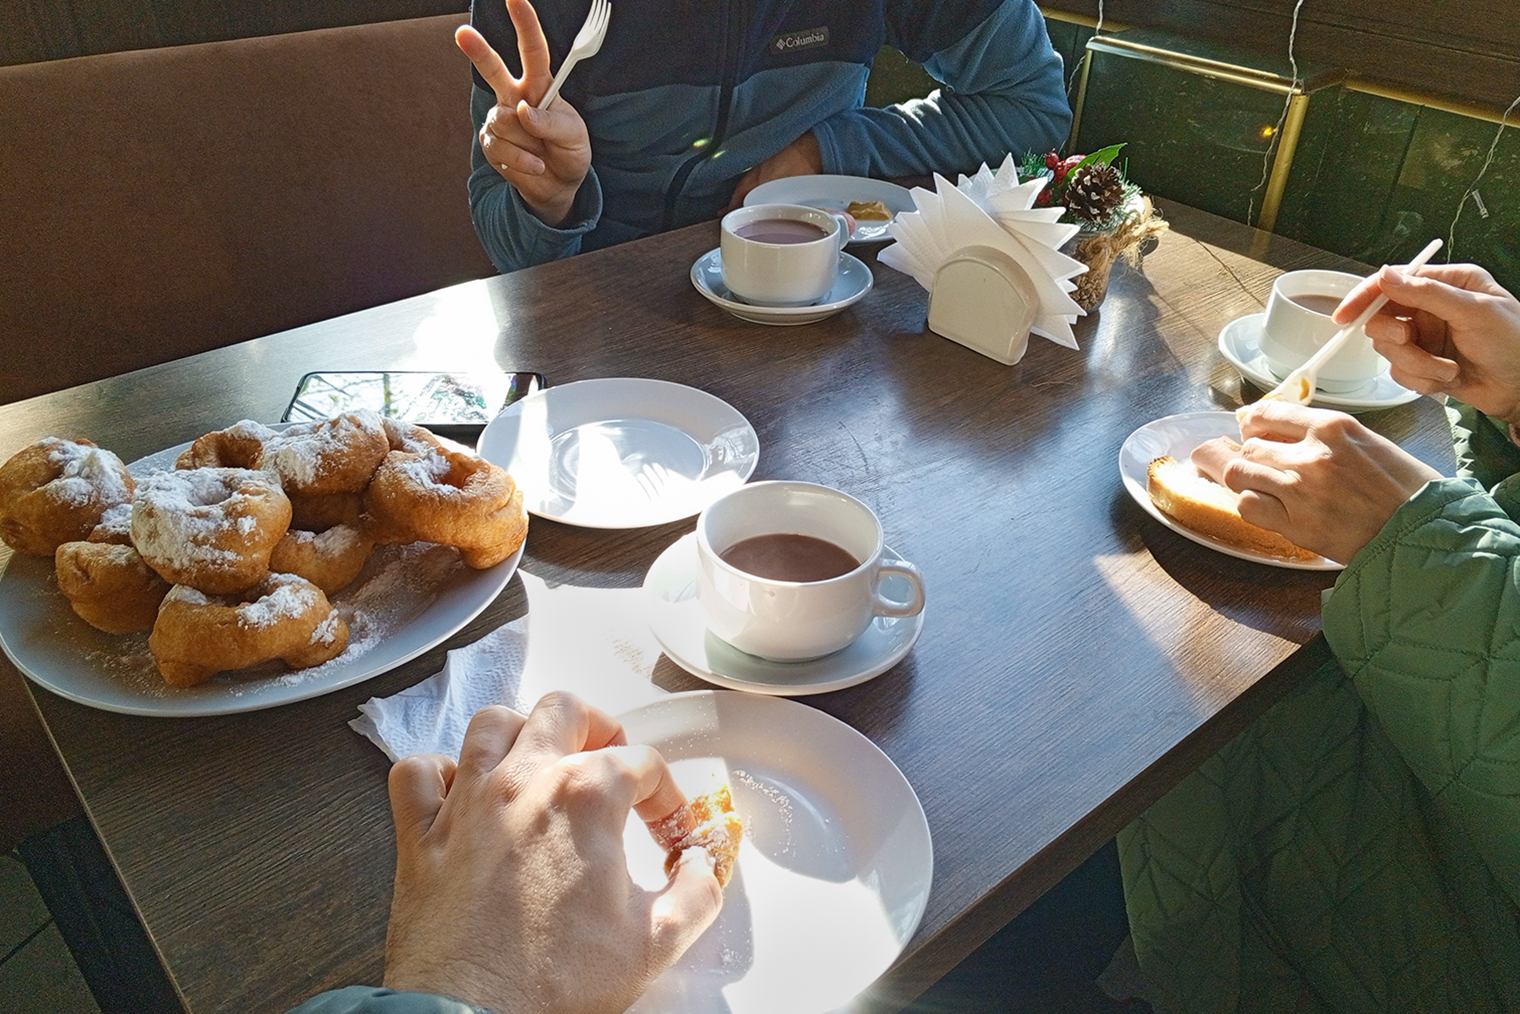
column 1078, row 657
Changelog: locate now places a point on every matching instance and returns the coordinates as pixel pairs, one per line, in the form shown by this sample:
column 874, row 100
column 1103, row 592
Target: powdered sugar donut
column 210, row 528
column 55, row 491
column 450, row 498
column 197, row 636
column 237, row 446
column 109, row 586
column 333, row 456
column 329, row 560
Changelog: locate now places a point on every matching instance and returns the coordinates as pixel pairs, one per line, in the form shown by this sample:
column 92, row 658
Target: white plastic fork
column 587, row 41
column 1298, row 386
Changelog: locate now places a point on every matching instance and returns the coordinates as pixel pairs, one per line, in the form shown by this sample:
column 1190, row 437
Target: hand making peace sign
column 545, row 153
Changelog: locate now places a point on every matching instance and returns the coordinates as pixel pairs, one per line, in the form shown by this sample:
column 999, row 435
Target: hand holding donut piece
column 197, row 636
column 55, row 491
column 210, row 528
column 449, row 498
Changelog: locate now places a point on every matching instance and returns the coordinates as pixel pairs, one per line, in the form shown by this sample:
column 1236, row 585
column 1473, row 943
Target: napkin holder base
column 985, row 301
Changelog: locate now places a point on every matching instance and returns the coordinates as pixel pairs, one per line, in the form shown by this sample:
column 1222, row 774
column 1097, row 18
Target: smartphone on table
column 453, row 405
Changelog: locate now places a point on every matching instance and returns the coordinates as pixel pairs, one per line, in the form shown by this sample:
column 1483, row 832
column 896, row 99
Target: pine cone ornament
column 1094, row 192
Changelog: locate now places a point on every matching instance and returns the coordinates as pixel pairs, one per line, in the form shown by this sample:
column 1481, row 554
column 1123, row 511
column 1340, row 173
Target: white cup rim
column 717, row 559
column 793, row 213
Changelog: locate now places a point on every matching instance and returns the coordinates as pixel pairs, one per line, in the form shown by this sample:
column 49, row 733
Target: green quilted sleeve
column 1426, row 621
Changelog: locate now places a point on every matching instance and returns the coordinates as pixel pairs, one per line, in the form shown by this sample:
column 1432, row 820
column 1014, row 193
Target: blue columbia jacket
column 685, row 96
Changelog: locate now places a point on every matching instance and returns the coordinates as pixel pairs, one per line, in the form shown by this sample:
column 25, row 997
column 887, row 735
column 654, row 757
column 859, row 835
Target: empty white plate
column 622, row 452
column 834, row 871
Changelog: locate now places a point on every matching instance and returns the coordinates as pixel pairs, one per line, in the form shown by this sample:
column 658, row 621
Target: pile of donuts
column 228, row 559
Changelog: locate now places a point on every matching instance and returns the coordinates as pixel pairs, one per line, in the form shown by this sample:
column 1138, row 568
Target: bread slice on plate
column 1206, row 507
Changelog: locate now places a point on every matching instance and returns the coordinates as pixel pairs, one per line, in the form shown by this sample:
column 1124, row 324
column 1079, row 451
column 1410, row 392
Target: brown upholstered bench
column 159, row 203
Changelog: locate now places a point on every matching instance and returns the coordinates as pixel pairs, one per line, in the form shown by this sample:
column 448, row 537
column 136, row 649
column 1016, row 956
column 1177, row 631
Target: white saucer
column 853, row 282
column 834, row 193
column 621, row 452
column 1240, row 343
column 678, row 623
column 1177, row 436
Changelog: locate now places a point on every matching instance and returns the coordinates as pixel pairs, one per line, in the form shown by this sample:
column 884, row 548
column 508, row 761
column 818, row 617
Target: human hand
column 544, row 153
column 512, row 888
column 1320, row 478
column 800, row 158
column 1451, row 329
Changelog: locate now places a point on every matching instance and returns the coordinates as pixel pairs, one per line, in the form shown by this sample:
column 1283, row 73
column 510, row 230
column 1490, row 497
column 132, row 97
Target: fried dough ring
column 238, row 446
column 336, row 455
column 55, row 491
column 109, row 586
column 329, row 560
column 449, row 498
column 115, row 526
column 283, row 616
column 210, row 528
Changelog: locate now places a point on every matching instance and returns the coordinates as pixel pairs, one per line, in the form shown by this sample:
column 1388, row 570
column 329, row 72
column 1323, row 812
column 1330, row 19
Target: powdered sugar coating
column 87, row 474
column 181, row 516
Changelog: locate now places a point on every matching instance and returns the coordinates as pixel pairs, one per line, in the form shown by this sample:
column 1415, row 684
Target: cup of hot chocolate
column 791, row 571
column 781, row 254
column 1297, row 323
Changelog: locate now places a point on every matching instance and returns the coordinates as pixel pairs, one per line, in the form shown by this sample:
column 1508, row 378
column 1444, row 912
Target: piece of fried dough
column 449, row 498
column 56, row 491
column 109, row 586
column 197, row 636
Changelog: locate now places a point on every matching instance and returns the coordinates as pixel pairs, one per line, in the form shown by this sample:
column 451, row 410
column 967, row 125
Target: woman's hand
column 546, row 153
column 1451, row 329
column 512, row 887
column 1320, row 478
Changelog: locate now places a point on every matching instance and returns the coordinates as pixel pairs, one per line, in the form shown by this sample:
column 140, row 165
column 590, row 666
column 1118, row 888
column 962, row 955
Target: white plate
column 1240, row 343
column 678, row 623
column 834, row 871
column 57, row 650
column 834, row 193
column 622, row 453
column 853, row 282
column 1178, row 435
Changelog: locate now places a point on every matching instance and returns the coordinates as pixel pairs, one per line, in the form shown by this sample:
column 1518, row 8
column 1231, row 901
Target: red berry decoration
column 1052, row 160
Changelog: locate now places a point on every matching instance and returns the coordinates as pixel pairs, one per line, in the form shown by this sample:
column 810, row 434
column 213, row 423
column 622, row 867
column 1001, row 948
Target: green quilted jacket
column 1358, row 848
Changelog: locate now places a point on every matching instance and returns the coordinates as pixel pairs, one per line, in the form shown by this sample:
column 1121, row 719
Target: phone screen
column 460, row 402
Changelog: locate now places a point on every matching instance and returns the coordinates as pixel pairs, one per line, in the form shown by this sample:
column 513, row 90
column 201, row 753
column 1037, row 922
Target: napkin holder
column 985, row 301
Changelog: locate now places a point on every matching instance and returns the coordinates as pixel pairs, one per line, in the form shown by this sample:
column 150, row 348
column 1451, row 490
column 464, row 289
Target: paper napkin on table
column 996, row 210
column 431, row 716
column 593, row 642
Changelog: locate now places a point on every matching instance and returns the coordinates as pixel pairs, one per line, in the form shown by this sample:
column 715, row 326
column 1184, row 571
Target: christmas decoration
column 1113, row 216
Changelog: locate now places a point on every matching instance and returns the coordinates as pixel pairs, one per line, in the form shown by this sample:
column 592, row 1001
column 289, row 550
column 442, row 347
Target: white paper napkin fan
column 990, row 260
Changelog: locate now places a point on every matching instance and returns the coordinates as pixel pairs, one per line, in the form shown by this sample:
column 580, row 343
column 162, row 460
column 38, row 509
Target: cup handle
column 842, row 234
column 885, row 606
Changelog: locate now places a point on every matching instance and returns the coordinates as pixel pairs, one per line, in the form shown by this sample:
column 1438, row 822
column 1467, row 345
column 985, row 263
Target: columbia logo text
column 810, row 38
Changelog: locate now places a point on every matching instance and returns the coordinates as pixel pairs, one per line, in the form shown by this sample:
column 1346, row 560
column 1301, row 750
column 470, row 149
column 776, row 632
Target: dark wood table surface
column 1077, row 660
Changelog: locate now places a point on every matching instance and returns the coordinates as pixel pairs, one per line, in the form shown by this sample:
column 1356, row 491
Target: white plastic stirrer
column 1298, row 386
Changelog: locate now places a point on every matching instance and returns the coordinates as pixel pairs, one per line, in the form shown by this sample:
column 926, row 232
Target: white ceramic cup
column 781, row 273
column 791, row 621
column 1291, row 332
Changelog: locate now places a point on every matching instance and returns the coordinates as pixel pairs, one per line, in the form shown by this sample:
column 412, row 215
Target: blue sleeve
column 376, row 1000
column 512, row 235
column 1003, row 93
